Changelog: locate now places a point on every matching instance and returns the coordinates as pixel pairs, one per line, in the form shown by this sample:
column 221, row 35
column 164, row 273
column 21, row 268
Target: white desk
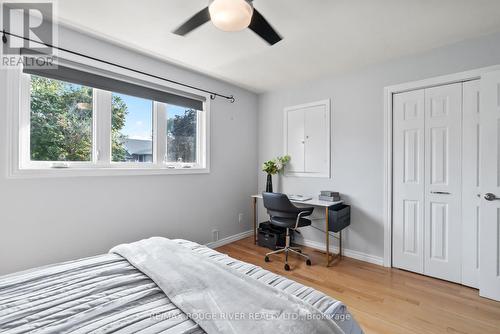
column 312, row 202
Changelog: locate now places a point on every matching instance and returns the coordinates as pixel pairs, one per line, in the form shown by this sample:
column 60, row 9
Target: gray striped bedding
column 105, row 294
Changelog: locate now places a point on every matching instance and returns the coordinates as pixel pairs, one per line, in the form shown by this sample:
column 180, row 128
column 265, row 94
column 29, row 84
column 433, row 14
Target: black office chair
column 283, row 213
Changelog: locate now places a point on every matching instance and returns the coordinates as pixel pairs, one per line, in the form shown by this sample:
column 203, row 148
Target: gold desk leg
column 332, row 257
column 254, row 202
column 340, row 244
column 327, row 238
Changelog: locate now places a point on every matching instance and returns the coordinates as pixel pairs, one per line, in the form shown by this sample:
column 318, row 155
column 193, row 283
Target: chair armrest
column 299, row 216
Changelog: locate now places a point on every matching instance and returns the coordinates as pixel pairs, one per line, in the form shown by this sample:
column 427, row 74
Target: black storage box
column 339, row 217
column 271, row 236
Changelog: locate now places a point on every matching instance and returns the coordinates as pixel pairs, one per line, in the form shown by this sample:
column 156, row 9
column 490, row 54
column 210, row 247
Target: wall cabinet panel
column 307, row 139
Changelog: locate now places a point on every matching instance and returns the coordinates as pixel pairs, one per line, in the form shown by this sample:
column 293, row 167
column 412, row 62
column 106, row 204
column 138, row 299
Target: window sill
column 102, row 171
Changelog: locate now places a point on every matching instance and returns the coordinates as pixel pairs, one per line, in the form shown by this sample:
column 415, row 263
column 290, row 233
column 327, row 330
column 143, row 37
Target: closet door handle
column 491, row 197
column 440, row 192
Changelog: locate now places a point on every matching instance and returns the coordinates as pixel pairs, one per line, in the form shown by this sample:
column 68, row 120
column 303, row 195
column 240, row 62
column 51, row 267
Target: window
column 73, row 120
column 181, row 134
column 60, row 121
column 131, row 129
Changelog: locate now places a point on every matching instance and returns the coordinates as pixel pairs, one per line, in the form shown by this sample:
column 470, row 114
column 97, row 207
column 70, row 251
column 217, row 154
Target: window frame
column 101, row 164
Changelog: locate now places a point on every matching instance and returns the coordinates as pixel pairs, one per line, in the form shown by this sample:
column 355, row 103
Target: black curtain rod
column 213, row 95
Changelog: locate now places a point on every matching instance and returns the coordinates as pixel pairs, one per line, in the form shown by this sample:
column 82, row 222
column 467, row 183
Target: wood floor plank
column 385, row 300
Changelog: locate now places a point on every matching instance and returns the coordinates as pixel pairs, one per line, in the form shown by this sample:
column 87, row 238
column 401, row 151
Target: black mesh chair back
column 283, row 213
column 278, row 205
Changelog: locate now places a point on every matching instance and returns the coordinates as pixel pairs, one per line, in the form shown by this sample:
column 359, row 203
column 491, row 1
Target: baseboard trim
column 309, row 243
column 347, row 252
column 228, row 240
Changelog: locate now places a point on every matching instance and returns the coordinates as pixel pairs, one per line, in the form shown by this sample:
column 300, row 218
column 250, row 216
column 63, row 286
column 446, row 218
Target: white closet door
column 471, row 181
column 443, row 233
column 408, row 197
column 316, row 140
column 489, row 281
column 295, row 140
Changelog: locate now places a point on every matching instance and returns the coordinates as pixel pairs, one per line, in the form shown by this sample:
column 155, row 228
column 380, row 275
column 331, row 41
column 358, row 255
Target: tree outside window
column 61, row 121
column 181, row 134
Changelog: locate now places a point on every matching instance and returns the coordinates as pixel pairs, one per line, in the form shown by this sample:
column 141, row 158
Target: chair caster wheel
column 308, row 262
column 266, row 259
column 287, row 267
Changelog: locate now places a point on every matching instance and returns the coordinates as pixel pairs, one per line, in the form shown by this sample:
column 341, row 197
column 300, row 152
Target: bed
column 143, row 288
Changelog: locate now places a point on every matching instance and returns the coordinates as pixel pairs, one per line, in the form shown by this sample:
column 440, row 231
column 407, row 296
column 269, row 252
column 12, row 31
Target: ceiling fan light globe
column 231, row 15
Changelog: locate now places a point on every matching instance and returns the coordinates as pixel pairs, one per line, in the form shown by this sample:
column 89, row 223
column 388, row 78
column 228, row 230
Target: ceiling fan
column 231, row 15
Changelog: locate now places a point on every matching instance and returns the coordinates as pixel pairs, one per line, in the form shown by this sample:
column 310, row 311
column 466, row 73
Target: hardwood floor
column 385, row 300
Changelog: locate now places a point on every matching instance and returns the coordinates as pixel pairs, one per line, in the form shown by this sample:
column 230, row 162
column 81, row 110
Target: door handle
column 440, row 192
column 491, row 197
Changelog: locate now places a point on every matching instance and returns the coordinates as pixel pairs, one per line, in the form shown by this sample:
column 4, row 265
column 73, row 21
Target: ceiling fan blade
column 261, row 27
column 198, row 19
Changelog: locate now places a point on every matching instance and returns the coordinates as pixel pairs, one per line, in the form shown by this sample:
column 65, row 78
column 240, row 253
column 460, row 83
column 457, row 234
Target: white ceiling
column 321, row 37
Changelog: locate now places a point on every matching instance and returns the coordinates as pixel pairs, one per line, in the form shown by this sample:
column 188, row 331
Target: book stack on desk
column 330, row 196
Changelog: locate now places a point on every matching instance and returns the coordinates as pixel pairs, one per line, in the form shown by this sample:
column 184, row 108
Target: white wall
column 48, row 220
column 357, row 131
column 44, row 221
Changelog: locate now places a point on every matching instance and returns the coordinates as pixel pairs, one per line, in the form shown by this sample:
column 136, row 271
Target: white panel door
column 316, row 140
column 471, row 181
column 295, row 140
column 408, row 182
column 489, row 277
column 442, row 222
